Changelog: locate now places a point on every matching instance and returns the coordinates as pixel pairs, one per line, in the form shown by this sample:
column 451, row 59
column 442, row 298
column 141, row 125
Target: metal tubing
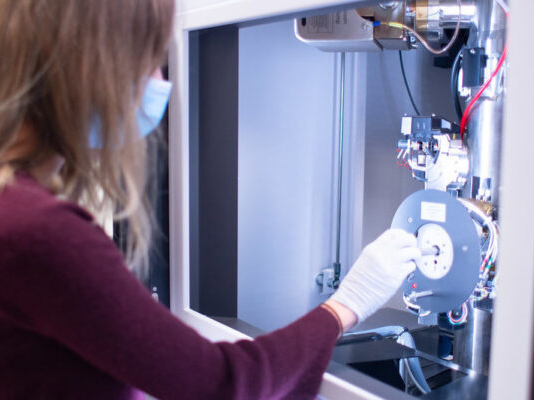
column 448, row 11
column 337, row 264
column 433, row 16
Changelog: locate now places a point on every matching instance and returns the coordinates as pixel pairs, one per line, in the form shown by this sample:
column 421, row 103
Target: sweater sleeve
column 70, row 284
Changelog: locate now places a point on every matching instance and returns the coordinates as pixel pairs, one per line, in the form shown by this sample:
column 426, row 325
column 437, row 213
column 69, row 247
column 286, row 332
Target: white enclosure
column 287, row 174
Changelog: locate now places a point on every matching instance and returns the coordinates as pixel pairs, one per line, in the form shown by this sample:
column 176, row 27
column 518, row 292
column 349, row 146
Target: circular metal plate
column 440, row 220
column 439, row 264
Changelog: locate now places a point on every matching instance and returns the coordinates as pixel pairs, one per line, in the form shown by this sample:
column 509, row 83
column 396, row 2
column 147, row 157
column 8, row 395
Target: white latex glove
column 378, row 273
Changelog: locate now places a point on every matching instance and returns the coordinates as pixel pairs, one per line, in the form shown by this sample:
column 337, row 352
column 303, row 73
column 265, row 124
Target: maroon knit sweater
column 75, row 324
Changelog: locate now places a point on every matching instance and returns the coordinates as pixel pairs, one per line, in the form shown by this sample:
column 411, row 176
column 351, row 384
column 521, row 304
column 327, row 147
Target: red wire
column 467, row 112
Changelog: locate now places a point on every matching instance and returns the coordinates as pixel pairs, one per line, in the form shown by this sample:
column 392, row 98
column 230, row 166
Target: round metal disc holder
column 447, row 273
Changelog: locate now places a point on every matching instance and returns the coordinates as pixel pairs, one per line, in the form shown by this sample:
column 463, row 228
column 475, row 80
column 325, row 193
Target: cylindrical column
column 484, row 143
column 483, row 137
column 433, row 16
column 484, row 129
column 472, row 340
column 448, row 10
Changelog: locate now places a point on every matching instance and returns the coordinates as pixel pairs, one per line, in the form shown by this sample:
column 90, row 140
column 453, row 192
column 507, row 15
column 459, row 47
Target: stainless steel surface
column 379, row 389
column 470, row 387
column 448, row 364
column 436, row 156
column 368, row 347
column 472, row 340
column 337, row 32
column 488, row 30
column 452, row 166
column 371, row 350
column 484, row 141
column 352, row 30
column 433, row 16
column 484, row 130
column 389, row 5
column 429, row 17
column 447, row 13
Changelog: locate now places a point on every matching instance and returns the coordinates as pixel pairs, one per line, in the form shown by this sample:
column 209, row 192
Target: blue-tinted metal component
column 439, row 208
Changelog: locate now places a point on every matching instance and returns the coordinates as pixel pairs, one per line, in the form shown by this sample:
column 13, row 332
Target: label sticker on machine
column 321, row 24
column 436, row 212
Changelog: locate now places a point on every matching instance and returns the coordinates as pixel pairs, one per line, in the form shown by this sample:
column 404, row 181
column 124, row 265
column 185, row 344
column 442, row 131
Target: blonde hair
column 65, row 64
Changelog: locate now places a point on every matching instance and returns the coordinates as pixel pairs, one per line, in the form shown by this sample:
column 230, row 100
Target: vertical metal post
column 484, row 130
column 337, row 264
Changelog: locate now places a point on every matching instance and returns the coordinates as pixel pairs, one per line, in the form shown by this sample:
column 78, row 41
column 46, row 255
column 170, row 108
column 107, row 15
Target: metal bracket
column 326, row 280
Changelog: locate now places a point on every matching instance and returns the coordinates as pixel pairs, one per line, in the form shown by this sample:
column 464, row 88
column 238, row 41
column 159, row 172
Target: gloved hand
column 378, row 273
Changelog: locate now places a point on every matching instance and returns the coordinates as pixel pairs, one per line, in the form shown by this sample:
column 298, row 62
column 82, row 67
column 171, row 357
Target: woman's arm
column 70, row 284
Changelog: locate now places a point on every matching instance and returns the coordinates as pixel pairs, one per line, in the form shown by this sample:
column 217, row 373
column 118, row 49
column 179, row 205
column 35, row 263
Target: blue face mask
column 150, row 113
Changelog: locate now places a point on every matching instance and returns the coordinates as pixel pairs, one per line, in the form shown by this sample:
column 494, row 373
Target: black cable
column 455, row 75
column 406, row 83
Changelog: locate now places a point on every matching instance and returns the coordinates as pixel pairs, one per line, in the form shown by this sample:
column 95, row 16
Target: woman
column 75, row 96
